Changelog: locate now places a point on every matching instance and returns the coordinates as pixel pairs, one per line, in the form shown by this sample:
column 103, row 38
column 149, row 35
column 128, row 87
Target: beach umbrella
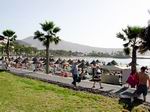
column 51, row 60
column 87, row 63
column 79, row 61
column 57, row 62
column 34, row 59
column 93, row 62
column 113, row 62
column 63, row 61
column 36, row 62
column 25, row 60
column 70, row 61
column 42, row 59
column 109, row 64
column 82, row 65
column 16, row 60
column 97, row 61
column 82, row 61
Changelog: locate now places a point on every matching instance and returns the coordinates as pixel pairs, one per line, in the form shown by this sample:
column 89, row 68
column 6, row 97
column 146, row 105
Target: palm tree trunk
column 7, row 49
column 47, row 57
column 2, row 51
column 133, row 64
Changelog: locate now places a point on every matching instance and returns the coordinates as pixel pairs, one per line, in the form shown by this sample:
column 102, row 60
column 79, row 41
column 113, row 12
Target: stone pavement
column 114, row 89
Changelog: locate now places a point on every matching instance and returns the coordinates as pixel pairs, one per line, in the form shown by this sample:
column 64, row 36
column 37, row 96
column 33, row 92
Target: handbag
column 78, row 79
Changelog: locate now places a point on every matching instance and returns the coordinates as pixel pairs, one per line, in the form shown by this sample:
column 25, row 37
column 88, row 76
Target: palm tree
column 131, row 35
column 10, row 36
column 47, row 37
column 145, row 35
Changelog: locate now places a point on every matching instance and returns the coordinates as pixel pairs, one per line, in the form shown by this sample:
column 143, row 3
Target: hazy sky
column 89, row 22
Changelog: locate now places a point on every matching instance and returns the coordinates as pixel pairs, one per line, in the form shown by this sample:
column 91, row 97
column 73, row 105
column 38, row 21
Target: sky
column 89, row 22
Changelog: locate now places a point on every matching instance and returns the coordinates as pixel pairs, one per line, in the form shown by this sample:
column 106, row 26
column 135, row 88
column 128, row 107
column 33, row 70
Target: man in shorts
column 142, row 87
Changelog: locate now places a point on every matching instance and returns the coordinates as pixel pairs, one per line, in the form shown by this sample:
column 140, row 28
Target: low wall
column 110, row 79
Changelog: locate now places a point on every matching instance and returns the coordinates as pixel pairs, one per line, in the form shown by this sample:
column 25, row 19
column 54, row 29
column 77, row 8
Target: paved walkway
column 115, row 89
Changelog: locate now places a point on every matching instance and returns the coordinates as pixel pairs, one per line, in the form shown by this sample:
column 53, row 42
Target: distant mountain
column 22, row 43
column 65, row 45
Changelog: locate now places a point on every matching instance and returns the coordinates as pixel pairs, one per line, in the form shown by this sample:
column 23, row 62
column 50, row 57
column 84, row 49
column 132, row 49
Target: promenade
column 108, row 88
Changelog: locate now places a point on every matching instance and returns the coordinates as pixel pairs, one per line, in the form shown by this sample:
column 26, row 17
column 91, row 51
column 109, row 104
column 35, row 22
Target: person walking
column 97, row 77
column 142, row 87
column 74, row 71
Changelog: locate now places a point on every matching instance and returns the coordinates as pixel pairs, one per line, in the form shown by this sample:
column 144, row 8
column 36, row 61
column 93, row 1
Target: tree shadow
column 2, row 70
column 109, row 91
column 121, row 90
column 128, row 103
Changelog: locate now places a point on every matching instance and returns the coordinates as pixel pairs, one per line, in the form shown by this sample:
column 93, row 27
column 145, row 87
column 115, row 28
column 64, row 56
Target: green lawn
column 25, row 95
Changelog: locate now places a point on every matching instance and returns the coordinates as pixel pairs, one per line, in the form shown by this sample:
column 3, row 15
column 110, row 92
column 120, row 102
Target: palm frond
column 121, row 36
column 47, row 26
column 142, row 33
column 126, row 31
column 56, row 29
column 145, row 44
column 38, row 34
column 50, row 38
column 57, row 40
column 13, row 38
column 134, row 32
column 143, row 49
column 126, row 44
column 8, row 33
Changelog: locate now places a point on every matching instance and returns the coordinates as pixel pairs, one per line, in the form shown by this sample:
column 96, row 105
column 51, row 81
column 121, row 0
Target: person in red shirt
column 133, row 79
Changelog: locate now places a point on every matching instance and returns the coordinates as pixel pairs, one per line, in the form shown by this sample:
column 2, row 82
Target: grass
column 26, row 95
